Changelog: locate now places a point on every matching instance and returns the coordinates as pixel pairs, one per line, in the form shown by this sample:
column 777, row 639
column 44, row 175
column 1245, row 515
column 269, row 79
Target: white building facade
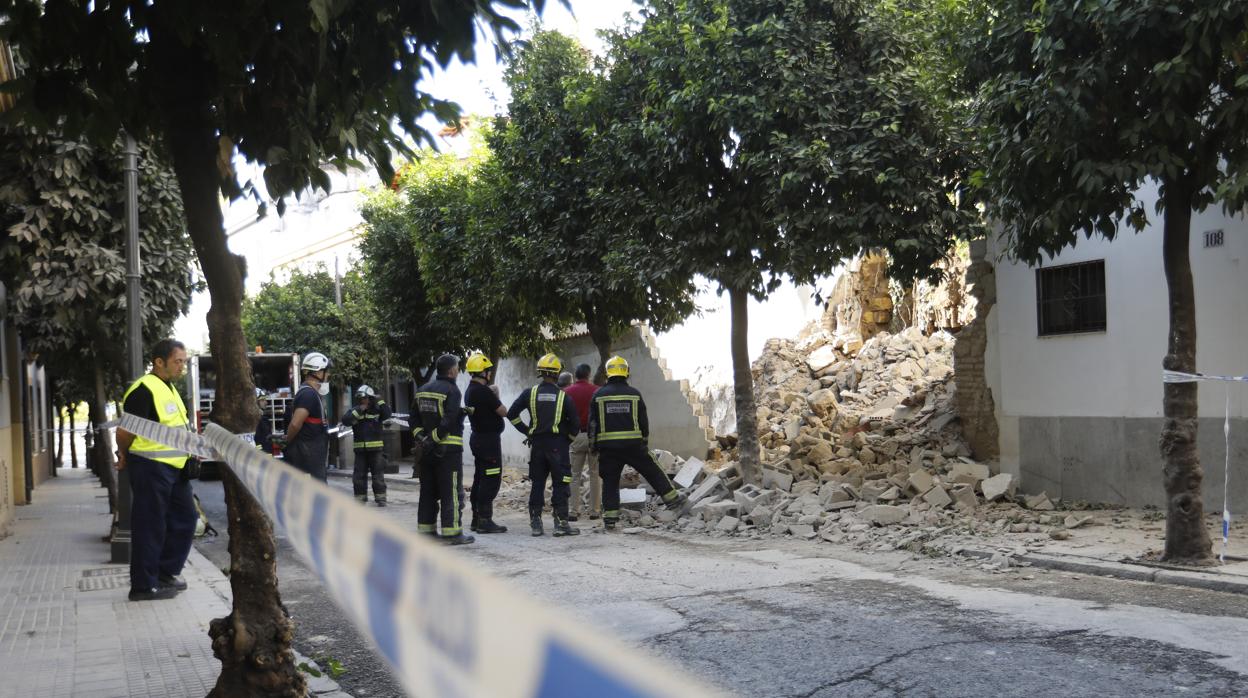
column 1074, row 356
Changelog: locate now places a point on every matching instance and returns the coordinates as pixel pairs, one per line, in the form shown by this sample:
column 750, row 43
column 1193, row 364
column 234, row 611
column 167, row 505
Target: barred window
column 1071, row 298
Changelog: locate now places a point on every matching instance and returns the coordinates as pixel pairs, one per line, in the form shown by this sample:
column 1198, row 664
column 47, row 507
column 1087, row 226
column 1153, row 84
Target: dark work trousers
column 549, row 456
column 309, row 455
column 441, row 489
column 369, row 463
column 487, row 456
column 611, row 462
column 162, row 521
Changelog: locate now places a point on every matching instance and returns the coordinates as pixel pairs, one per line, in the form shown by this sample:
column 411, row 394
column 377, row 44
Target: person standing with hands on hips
column 307, row 438
column 365, row 420
column 162, row 513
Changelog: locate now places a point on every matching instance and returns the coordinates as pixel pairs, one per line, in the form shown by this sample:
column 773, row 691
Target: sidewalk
column 1112, row 546
column 66, row 626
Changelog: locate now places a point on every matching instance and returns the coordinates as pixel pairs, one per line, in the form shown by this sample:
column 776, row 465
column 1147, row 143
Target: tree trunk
column 102, row 446
column 1187, row 539
column 253, row 642
column 600, row 334
column 743, row 384
column 60, row 436
column 73, row 437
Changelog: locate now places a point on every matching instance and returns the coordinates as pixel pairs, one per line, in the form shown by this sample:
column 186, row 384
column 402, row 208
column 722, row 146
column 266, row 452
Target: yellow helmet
column 549, row 364
column 617, row 367
column 477, row 363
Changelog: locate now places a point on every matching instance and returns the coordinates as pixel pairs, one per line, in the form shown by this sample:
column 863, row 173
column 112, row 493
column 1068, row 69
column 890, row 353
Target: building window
column 1071, row 298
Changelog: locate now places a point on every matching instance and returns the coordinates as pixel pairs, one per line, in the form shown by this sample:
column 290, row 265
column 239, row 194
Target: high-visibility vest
column 172, row 414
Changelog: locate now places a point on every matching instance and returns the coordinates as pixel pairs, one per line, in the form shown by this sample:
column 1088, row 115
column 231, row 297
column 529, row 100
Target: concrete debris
column 689, row 473
column 727, row 524
column 1039, row 502
column 997, row 486
column 883, row 514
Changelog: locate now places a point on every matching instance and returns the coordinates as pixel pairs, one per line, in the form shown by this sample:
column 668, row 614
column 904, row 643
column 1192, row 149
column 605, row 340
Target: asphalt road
column 795, row 618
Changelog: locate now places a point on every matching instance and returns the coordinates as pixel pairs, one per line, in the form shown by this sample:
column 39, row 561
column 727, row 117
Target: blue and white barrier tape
column 446, row 627
column 1181, row 377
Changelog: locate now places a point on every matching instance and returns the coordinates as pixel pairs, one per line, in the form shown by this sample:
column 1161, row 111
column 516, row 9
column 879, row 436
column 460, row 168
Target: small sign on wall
column 1214, row 238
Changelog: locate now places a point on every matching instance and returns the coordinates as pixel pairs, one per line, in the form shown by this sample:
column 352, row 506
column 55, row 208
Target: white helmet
column 315, row 361
column 365, row 391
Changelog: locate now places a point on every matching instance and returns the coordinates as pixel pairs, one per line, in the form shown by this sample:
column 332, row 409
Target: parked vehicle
column 276, row 374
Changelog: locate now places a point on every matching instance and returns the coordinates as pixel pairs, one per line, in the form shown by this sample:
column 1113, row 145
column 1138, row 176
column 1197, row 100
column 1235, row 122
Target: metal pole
column 134, row 321
column 134, row 335
column 337, row 285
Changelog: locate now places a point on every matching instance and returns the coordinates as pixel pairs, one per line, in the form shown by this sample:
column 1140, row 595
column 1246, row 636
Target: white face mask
column 323, row 388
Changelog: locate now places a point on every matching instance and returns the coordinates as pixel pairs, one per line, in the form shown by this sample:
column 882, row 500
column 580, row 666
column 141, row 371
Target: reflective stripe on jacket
column 366, row 425
column 440, row 407
column 617, row 416
column 551, row 412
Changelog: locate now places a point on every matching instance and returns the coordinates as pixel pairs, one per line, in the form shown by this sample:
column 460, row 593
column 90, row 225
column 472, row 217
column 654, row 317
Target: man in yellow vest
column 162, row 513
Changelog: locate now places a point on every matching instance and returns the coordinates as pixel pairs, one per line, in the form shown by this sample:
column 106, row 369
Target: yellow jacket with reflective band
column 172, row 413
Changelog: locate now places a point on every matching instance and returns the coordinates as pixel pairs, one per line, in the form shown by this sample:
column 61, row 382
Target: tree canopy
column 577, row 257
column 1083, row 110
column 62, row 208
column 300, row 315
column 767, row 140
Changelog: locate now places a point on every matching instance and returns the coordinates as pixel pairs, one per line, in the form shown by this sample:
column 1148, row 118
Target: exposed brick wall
column 973, row 399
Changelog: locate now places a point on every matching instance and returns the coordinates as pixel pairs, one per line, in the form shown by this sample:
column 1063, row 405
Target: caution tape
column 1182, row 377
column 446, row 627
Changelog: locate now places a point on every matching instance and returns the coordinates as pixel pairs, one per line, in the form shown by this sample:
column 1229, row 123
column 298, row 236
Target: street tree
column 456, row 213
column 778, row 139
column 299, row 314
column 291, row 85
column 1084, row 110
column 62, row 207
column 404, row 312
column 572, row 255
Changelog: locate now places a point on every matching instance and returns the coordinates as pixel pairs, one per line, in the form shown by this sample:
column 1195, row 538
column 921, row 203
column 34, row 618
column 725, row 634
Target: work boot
column 476, row 523
column 380, row 499
column 361, row 498
column 172, row 581
column 676, row 502
column 563, row 528
column 486, row 523
column 535, row 521
column 154, row 594
column 609, row 523
column 457, row 539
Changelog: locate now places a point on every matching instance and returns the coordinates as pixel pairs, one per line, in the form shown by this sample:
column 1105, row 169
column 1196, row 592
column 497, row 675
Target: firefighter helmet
column 477, row 363
column 549, row 364
column 366, row 391
column 617, row 367
column 315, row 361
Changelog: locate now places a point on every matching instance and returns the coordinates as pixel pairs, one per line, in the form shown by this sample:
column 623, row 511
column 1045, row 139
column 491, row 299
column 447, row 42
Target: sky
column 478, row 88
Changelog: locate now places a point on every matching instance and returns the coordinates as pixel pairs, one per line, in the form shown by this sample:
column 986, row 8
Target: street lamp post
column 134, row 336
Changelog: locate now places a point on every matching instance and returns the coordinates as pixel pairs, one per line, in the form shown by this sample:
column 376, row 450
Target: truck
column 276, row 374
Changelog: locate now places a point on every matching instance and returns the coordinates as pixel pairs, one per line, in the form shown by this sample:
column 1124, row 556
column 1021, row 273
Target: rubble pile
column 866, row 450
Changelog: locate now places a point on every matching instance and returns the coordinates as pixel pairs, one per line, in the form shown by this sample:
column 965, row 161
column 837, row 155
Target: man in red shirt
column 582, row 394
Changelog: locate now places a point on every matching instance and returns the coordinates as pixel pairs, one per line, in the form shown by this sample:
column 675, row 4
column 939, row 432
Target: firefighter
column 485, row 414
column 618, row 433
column 440, row 430
column 551, row 429
column 365, row 420
column 307, row 437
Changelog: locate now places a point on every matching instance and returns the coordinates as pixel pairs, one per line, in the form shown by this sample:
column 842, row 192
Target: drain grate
column 104, row 578
column 105, row 571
